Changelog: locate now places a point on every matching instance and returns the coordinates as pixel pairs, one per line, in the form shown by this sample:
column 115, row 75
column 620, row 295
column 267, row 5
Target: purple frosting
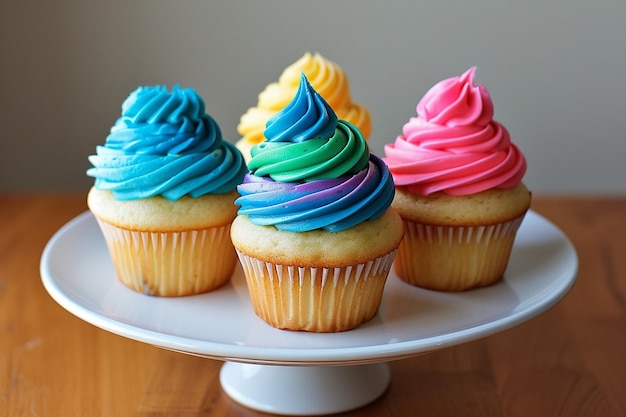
column 331, row 204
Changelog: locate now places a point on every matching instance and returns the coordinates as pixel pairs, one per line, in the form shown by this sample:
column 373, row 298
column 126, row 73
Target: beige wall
column 556, row 71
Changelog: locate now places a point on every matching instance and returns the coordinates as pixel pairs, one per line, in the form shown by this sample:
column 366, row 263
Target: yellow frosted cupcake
column 325, row 76
column 315, row 234
column 459, row 189
column 164, row 192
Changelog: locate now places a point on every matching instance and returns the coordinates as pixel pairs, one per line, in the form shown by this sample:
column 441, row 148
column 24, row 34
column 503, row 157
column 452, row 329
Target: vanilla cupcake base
column 456, row 243
column 171, row 264
column 455, row 258
column 317, row 281
column 168, row 248
column 314, row 299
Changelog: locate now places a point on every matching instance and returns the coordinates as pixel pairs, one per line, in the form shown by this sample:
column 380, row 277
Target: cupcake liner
column 316, row 299
column 455, row 258
column 171, row 263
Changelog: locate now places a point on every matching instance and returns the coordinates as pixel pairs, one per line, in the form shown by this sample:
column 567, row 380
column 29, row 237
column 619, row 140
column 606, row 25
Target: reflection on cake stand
column 299, row 373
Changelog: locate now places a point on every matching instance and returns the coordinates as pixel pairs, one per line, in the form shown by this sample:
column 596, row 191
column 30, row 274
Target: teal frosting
column 165, row 144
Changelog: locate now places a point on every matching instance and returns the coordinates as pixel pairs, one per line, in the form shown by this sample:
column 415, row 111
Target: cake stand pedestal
column 300, row 373
column 304, row 390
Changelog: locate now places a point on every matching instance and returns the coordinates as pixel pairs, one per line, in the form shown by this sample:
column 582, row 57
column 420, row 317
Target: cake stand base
column 304, row 390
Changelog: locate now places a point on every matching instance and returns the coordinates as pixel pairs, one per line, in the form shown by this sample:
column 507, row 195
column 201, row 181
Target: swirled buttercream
column 165, row 144
column 313, row 172
column 328, row 79
column 454, row 145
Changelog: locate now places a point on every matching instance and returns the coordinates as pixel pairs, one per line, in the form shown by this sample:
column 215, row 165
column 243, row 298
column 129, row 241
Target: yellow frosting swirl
column 325, row 76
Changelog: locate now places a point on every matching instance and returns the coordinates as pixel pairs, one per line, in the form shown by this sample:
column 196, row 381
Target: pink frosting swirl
column 454, row 145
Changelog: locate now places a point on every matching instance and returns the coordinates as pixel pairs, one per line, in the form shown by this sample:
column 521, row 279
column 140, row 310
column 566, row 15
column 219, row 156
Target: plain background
column 556, row 71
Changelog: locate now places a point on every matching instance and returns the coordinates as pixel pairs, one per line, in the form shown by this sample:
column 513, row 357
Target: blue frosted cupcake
column 164, row 192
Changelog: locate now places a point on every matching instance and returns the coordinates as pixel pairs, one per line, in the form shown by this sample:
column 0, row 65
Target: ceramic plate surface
column 77, row 272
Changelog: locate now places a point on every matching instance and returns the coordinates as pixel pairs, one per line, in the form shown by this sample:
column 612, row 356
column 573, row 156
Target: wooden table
column 570, row 361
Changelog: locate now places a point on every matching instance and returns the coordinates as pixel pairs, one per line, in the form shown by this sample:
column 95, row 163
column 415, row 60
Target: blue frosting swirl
column 307, row 116
column 313, row 172
column 165, row 144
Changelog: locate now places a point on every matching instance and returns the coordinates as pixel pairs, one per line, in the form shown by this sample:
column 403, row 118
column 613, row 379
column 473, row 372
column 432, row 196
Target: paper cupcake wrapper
column 455, row 258
column 316, row 299
column 171, row 263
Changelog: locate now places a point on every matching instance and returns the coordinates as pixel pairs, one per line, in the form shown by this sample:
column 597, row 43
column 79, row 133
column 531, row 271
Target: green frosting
column 346, row 152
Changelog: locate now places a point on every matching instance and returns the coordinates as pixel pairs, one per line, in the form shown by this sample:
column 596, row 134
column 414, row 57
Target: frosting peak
column 156, row 105
column 165, row 144
column 457, row 102
column 454, row 145
column 308, row 116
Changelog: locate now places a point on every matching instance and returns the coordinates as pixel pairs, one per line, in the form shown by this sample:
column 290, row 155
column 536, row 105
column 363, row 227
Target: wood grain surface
column 569, row 361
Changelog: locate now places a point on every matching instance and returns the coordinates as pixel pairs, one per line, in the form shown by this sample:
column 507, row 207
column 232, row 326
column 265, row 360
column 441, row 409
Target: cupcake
column 164, row 192
column 315, row 233
column 459, row 189
column 325, row 76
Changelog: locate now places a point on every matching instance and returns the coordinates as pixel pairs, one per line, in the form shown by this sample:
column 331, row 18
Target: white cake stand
column 299, row 373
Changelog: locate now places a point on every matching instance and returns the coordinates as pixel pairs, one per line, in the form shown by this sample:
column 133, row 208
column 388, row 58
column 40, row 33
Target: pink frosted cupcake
column 459, row 189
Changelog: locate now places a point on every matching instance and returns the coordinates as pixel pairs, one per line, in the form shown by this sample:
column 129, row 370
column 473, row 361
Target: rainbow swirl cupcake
column 315, row 233
column 328, row 79
column 164, row 192
column 459, row 189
